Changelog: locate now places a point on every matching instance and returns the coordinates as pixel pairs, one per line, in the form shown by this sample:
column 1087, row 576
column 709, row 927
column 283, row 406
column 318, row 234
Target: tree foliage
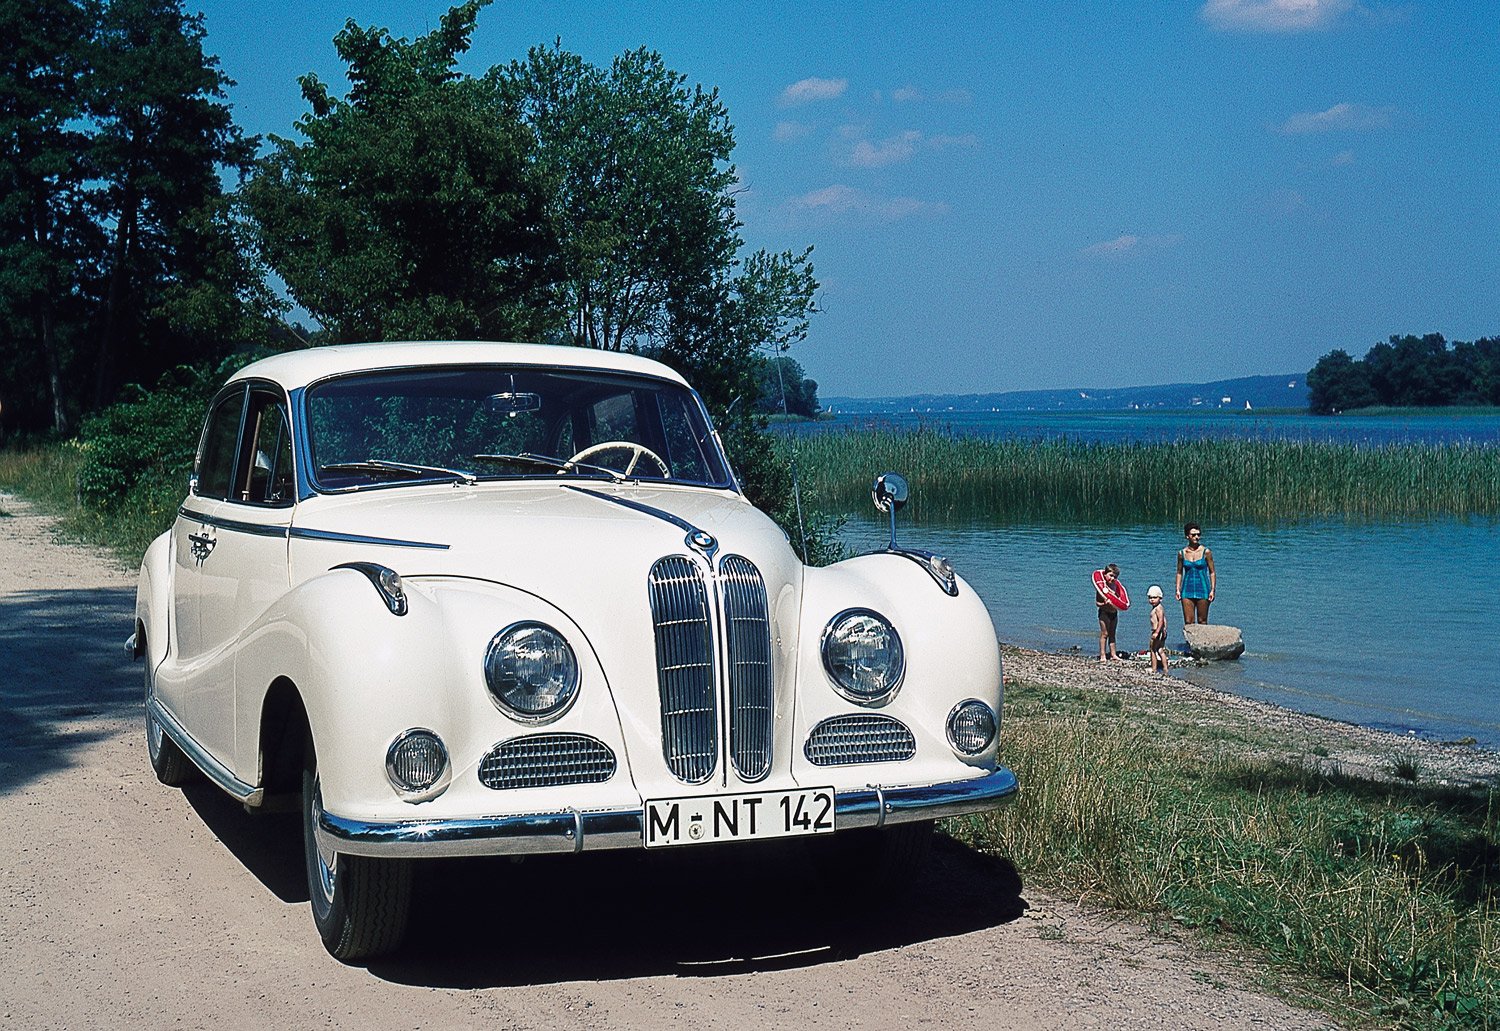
column 120, row 253
column 413, row 207
column 785, row 389
column 1408, row 371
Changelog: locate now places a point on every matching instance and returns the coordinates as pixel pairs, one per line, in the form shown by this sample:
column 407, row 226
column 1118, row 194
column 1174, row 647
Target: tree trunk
column 119, row 284
column 54, row 374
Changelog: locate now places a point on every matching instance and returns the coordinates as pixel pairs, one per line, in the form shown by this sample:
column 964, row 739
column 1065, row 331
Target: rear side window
column 216, row 460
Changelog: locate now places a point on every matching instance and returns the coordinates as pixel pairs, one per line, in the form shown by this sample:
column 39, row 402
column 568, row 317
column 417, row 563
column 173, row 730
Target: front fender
column 366, row 675
column 951, row 655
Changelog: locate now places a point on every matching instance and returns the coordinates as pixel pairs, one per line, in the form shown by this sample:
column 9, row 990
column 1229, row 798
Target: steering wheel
column 637, row 452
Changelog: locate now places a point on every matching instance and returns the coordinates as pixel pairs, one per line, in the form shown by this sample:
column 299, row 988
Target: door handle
column 202, row 545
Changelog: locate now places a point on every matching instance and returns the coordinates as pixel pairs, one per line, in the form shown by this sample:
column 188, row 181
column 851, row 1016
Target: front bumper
column 576, row 831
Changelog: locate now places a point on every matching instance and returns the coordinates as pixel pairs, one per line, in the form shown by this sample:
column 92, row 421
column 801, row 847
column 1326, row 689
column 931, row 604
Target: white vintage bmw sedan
column 472, row 598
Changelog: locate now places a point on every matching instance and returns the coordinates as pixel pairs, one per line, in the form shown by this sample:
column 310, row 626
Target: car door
column 245, row 569
column 194, row 539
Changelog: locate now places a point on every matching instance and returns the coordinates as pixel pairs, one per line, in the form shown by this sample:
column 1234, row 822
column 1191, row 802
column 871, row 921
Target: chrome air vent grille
column 547, row 760
column 685, row 668
column 863, row 738
column 748, row 632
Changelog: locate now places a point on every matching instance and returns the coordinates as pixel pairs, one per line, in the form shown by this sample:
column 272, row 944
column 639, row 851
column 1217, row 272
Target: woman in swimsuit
column 1195, row 576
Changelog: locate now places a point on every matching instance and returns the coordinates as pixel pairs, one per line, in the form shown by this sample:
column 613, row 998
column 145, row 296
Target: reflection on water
column 1390, row 626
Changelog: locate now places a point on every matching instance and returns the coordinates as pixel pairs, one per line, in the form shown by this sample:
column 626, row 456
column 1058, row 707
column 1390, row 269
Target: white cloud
column 912, row 94
column 788, row 131
column 805, row 91
column 1339, row 117
column 846, row 202
column 1130, row 243
column 1274, row 15
column 1343, row 157
column 901, row 147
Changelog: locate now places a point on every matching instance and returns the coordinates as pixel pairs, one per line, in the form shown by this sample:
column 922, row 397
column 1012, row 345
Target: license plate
column 766, row 814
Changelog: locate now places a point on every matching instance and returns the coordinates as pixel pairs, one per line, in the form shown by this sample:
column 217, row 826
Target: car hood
column 586, row 548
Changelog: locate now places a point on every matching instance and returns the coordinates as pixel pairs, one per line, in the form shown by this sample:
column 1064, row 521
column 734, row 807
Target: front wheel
column 360, row 905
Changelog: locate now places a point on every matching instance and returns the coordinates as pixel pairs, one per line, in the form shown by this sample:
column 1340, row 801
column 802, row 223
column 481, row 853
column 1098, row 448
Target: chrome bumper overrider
column 576, row 831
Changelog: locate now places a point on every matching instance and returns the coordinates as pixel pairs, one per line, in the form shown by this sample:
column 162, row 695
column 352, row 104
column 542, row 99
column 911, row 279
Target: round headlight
column 971, row 727
column 417, row 765
column 863, row 656
column 531, row 672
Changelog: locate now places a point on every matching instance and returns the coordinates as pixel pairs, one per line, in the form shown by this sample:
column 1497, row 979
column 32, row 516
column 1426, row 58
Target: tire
column 173, row 768
column 360, row 905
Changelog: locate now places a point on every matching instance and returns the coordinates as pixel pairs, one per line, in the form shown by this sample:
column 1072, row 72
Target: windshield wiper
column 382, row 466
column 550, row 462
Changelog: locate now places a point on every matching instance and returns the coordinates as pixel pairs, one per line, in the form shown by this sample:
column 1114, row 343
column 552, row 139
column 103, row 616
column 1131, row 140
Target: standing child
column 1158, row 645
column 1111, row 599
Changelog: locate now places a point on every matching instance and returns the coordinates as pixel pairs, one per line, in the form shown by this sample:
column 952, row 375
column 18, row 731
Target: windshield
column 480, row 423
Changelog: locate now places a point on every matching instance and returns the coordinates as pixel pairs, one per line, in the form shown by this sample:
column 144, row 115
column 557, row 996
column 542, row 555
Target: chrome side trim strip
column 211, row 767
column 255, row 529
column 575, row 831
column 307, row 533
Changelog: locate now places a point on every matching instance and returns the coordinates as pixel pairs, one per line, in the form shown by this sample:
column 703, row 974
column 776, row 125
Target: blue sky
column 1023, row 195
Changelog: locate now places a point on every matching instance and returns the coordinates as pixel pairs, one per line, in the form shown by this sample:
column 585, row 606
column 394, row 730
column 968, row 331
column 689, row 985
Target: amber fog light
column 417, row 765
column 971, row 727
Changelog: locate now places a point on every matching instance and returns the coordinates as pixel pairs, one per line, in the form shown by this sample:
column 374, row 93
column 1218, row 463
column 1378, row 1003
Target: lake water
column 1192, row 424
column 1389, row 626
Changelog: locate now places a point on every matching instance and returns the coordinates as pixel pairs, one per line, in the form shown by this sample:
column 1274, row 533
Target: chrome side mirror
column 889, row 493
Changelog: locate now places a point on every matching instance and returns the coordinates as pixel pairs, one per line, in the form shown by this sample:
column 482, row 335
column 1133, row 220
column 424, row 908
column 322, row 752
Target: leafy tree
column 46, row 238
column 413, row 208
column 1407, row 371
column 784, row 386
column 174, row 273
column 1338, row 383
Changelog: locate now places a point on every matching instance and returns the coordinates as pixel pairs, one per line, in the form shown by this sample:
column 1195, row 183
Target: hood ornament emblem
column 703, row 542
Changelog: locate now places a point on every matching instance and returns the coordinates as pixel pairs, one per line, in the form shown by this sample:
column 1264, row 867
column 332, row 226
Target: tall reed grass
column 1389, row 892
column 1225, row 481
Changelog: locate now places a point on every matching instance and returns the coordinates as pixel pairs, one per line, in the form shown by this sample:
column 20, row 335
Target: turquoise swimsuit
column 1194, row 576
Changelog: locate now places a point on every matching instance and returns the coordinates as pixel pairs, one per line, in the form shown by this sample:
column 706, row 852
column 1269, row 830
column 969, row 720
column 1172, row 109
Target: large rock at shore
column 1213, row 641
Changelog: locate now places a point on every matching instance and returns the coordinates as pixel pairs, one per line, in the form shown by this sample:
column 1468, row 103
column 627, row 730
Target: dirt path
column 125, row 903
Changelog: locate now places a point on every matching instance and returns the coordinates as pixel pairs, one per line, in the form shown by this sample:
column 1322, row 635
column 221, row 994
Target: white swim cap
column 1153, row 591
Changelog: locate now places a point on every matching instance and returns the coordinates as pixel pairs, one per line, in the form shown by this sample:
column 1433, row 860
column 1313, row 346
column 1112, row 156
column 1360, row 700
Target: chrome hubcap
column 328, row 859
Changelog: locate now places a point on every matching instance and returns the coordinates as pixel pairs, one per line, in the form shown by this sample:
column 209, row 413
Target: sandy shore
column 1286, row 734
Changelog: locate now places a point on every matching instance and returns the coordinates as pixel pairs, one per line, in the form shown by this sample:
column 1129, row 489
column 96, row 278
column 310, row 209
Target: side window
column 216, row 462
column 267, row 476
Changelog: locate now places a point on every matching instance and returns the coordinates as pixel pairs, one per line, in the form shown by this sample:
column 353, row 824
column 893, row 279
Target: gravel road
column 124, row 903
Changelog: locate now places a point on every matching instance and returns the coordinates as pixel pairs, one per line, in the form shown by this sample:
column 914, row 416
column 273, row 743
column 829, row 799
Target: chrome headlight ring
column 417, row 765
column 863, row 657
column 531, row 672
column 972, row 727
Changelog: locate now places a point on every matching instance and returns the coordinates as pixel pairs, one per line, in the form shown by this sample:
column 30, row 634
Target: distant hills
column 1289, row 391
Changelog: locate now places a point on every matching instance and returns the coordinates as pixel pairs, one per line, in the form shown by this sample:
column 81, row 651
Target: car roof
column 295, row 369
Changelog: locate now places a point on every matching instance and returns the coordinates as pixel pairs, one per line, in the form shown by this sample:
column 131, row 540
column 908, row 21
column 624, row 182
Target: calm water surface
column 1122, row 426
column 1390, row 626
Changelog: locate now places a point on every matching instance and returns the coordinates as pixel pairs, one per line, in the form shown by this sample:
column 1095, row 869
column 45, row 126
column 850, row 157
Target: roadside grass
column 48, row 476
column 1378, row 900
column 965, row 478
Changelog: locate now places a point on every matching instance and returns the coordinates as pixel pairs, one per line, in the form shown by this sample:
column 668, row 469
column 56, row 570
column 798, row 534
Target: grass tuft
column 1386, row 893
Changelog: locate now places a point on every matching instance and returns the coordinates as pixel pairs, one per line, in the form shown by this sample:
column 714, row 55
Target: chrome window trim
column 302, row 437
column 868, row 702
